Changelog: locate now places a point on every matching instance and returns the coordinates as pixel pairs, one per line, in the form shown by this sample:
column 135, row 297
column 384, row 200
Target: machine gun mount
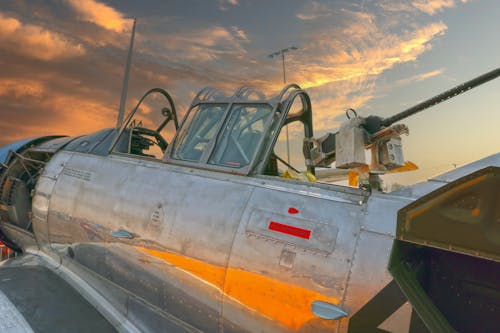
column 382, row 136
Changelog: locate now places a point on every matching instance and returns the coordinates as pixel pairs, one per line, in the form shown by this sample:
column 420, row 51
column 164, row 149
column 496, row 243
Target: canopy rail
column 169, row 113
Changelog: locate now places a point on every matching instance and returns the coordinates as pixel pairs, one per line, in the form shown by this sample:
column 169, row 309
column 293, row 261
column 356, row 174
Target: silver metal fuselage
column 195, row 244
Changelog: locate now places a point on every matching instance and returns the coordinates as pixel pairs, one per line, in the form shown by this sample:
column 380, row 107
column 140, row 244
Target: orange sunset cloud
column 100, row 14
column 35, row 41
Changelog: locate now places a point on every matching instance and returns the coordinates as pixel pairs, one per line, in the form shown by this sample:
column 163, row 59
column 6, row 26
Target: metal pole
column 282, row 53
column 284, row 71
column 123, row 98
column 286, row 129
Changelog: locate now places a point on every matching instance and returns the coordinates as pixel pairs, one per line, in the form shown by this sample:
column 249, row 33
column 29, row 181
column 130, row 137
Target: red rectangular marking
column 289, row 230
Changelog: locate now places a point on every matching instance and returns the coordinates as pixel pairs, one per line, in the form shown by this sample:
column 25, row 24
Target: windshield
column 197, row 131
column 241, row 134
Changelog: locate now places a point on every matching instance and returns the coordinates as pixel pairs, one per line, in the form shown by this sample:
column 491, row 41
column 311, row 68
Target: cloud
column 35, row 41
column 240, row 34
column 328, row 110
column 31, row 108
column 420, row 77
column 432, row 6
column 100, row 14
column 204, row 45
column 19, row 88
column 224, row 5
column 339, row 66
column 314, row 11
column 50, row 112
column 395, row 6
column 369, row 52
column 429, row 7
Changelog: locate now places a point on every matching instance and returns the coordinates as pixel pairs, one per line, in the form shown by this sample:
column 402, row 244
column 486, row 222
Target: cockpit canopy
column 241, row 127
column 235, row 133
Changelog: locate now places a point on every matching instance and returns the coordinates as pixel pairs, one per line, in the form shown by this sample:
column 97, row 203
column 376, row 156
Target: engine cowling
column 21, row 163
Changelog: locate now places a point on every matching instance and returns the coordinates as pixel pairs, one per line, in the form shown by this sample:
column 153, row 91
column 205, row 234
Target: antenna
column 123, row 98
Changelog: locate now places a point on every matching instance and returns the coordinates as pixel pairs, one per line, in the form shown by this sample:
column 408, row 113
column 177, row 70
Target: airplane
column 122, row 231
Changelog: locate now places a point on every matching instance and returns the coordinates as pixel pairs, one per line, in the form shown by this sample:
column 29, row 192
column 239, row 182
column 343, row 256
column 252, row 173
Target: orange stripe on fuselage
column 209, row 273
column 285, row 302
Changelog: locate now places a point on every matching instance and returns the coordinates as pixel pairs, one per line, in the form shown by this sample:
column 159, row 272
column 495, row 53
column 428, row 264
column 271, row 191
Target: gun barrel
column 442, row 97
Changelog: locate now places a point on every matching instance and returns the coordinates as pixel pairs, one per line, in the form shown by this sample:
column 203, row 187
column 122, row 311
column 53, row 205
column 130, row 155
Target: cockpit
column 236, row 133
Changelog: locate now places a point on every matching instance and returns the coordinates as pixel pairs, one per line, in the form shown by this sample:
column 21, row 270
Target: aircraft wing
column 34, row 299
column 39, row 295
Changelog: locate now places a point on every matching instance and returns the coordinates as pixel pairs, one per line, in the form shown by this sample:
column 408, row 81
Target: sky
column 62, row 63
